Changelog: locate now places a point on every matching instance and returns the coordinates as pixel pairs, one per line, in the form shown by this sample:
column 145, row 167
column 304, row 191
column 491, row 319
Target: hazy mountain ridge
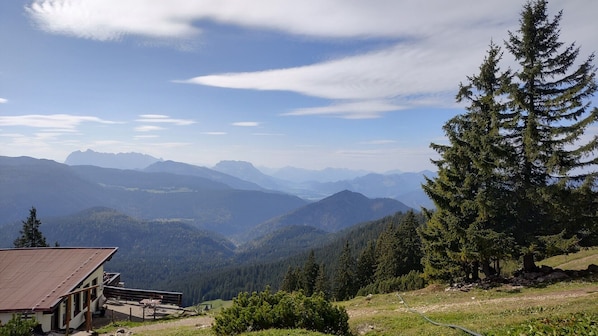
column 110, row 160
column 56, row 190
column 307, row 184
column 316, row 185
column 180, row 168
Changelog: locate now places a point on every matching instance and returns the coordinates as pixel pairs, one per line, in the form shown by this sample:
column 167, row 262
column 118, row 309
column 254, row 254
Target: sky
column 312, row 84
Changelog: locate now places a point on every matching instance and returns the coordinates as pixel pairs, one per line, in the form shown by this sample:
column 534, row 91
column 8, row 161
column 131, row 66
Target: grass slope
column 573, row 261
column 563, row 308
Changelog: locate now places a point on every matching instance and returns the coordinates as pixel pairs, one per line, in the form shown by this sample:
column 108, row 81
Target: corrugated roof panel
column 36, row 278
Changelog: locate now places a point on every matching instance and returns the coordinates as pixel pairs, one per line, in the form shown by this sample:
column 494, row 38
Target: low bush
column 408, row 282
column 282, row 310
column 18, row 326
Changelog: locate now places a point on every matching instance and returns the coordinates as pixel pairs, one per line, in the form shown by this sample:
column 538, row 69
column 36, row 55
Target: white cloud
column 158, row 118
column 3, row 100
column 53, row 121
column 366, row 109
column 246, row 124
column 148, row 128
column 214, row 133
column 436, row 43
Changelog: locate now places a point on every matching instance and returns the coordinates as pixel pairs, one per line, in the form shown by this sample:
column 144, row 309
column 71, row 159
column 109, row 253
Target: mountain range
column 173, row 220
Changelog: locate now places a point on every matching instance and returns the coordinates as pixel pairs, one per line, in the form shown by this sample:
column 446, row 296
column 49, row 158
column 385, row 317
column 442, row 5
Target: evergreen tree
column 292, row 280
column 310, row 274
column 551, row 111
column 515, row 165
column 344, row 277
column 471, row 187
column 31, row 236
column 322, row 284
column 366, row 265
column 409, row 242
column 387, row 254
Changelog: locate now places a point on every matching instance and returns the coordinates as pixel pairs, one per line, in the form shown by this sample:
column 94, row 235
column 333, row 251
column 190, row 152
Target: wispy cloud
column 163, row 119
column 214, row 133
column 366, row 109
column 433, row 44
column 65, row 122
column 113, row 19
column 3, row 100
column 148, row 128
column 246, row 123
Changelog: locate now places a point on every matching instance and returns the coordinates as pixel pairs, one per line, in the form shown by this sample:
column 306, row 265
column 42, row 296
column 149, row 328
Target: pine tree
column 471, row 189
column 409, row 242
column 292, row 280
column 366, row 265
column 310, row 274
column 387, row 254
column 31, row 236
column 344, row 277
column 551, row 111
column 322, row 284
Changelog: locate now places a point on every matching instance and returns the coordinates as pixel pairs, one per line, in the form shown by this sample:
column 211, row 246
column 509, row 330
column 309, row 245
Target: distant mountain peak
column 130, row 160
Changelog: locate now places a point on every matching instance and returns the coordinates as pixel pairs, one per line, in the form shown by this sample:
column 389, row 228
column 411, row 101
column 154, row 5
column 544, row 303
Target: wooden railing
column 132, row 294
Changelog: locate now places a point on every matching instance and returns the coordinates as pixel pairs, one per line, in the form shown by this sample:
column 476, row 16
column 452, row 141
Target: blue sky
column 313, row 84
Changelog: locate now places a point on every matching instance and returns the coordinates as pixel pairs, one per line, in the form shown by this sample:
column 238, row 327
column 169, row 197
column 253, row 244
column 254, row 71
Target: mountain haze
column 56, row 190
column 110, row 160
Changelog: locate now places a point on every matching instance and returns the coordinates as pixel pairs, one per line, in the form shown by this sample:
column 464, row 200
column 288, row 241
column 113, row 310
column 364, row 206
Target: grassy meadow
column 562, row 308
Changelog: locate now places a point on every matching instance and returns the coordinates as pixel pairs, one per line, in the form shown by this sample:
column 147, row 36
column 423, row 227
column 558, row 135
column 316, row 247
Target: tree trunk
column 529, row 265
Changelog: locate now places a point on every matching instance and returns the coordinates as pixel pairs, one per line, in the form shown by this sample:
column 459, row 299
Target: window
column 77, row 299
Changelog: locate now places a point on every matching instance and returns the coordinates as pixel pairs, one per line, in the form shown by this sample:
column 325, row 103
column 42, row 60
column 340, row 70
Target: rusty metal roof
column 34, row 279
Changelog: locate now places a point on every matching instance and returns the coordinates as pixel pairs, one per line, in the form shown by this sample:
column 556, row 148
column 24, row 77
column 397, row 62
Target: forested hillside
column 333, row 213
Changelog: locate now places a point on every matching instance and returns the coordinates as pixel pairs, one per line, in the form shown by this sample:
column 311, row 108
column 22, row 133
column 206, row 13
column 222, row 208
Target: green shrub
column 410, row 281
column 18, row 326
column 282, row 310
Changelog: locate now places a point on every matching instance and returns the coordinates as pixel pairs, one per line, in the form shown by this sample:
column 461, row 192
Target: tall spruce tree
column 410, row 250
column 387, row 254
column 516, row 166
column 31, row 236
column 310, row 274
column 344, row 277
column 322, row 285
column 366, row 265
column 471, row 188
column 550, row 113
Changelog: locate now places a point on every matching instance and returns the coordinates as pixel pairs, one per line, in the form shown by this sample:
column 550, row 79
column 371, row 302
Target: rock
column 553, row 277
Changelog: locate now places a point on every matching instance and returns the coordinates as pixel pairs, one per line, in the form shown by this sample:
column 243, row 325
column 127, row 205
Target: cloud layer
column 434, row 44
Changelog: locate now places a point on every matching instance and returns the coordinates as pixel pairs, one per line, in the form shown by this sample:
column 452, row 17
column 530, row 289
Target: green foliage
column 558, row 244
column 516, row 167
column 31, row 236
column 344, row 282
column 407, row 282
column 282, row 310
column 18, row 326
